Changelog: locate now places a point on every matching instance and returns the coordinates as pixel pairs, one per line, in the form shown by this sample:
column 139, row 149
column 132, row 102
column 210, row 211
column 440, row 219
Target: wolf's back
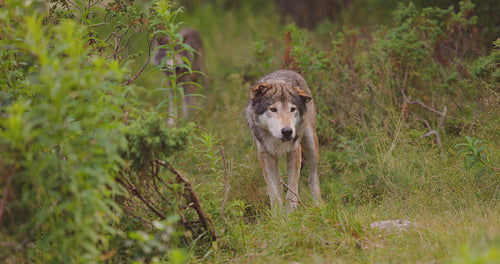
column 290, row 77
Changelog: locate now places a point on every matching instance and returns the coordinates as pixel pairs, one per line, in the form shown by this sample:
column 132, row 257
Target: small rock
column 387, row 225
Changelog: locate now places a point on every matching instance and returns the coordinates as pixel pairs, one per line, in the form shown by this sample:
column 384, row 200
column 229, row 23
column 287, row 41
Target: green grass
column 365, row 176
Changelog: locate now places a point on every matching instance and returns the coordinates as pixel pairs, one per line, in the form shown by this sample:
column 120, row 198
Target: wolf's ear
column 159, row 54
column 162, row 40
column 259, row 90
column 303, row 94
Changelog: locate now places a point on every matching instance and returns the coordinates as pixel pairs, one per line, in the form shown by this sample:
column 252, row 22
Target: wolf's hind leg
column 311, row 151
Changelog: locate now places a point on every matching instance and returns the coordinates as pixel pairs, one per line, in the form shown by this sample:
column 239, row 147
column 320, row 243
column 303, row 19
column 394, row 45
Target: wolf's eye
column 273, row 109
column 293, row 109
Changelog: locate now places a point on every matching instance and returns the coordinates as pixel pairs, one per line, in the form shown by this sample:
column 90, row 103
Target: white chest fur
column 276, row 147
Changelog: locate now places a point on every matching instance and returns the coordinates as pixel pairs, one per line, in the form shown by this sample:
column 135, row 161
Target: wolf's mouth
column 285, row 139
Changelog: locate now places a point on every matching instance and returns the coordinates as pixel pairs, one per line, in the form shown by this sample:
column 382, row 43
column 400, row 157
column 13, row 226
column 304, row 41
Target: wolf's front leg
column 171, row 109
column 293, row 169
column 269, row 164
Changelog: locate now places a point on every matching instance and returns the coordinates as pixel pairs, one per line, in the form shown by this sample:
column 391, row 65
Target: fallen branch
column 191, row 197
column 437, row 139
column 423, row 120
column 426, row 107
column 130, row 212
column 443, row 117
column 406, row 100
column 157, row 177
column 155, row 185
column 296, row 195
column 442, row 114
column 134, row 191
column 192, row 200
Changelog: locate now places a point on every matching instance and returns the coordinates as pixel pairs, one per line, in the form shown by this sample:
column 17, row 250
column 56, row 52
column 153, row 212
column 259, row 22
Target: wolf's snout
column 287, row 133
column 180, row 69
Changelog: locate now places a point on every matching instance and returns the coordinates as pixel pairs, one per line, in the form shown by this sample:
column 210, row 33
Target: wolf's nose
column 286, row 132
column 179, row 69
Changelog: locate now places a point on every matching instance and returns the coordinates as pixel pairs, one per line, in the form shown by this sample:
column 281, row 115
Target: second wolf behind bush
column 176, row 65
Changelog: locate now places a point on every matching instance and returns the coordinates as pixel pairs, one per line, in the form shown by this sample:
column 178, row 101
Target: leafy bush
column 156, row 247
column 476, row 157
column 149, row 139
column 59, row 141
column 66, row 136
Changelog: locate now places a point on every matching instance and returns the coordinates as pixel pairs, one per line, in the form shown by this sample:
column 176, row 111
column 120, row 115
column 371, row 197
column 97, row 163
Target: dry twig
column 296, row 194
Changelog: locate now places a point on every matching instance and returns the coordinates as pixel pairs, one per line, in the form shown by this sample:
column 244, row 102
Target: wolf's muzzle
column 287, row 133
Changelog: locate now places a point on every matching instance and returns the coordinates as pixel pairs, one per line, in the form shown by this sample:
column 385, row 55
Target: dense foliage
column 66, row 136
column 407, row 119
column 59, row 141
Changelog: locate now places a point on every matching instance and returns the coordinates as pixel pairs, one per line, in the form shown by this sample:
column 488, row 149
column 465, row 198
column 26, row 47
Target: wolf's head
column 170, row 63
column 279, row 108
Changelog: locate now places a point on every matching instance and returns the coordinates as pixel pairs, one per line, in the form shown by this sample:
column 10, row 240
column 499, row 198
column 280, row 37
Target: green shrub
column 150, row 139
column 476, row 157
column 59, row 142
column 156, row 247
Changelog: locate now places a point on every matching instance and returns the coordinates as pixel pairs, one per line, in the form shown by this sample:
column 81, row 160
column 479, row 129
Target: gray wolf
column 282, row 118
column 185, row 78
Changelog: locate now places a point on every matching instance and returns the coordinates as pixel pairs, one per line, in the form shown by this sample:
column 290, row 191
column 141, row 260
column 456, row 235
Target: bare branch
column 134, row 191
column 117, row 45
column 143, row 66
column 403, row 86
column 423, row 120
column 492, row 167
column 158, row 190
column 191, row 196
column 443, row 116
column 130, row 211
column 100, row 24
column 75, row 6
column 116, row 35
column 124, row 46
column 426, row 107
column 437, row 139
column 296, row 195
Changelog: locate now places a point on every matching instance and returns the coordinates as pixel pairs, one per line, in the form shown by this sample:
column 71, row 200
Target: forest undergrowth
column 90, row 172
